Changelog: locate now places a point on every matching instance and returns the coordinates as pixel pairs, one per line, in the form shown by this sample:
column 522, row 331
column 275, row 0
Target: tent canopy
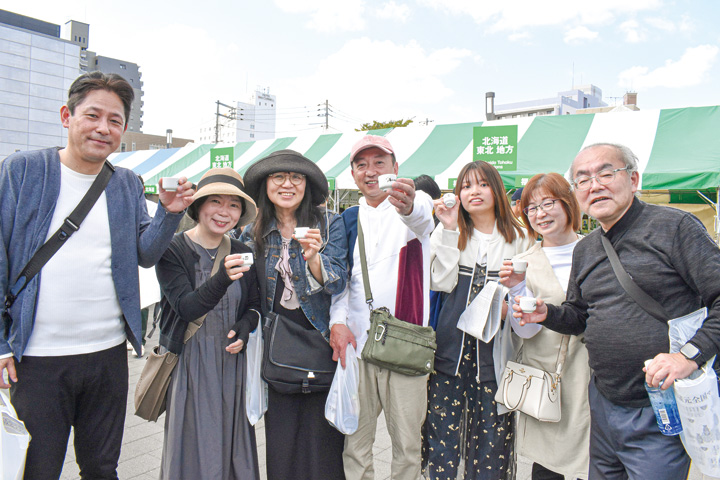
column 677, row 149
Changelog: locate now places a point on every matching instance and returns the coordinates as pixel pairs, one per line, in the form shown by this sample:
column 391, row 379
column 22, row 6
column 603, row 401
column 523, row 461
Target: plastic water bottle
column 665, row 407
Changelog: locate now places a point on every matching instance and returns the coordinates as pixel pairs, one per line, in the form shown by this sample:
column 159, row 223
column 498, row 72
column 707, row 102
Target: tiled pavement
column 142, row 443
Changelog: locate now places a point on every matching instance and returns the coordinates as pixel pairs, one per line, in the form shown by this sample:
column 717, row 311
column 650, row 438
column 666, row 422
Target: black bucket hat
column 286, row 161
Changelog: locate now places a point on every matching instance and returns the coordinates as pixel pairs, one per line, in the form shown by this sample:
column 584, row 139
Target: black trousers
column 87, row 392
column 300, row 443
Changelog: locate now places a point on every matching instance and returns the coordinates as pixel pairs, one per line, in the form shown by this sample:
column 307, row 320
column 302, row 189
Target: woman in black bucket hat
column 301, row 273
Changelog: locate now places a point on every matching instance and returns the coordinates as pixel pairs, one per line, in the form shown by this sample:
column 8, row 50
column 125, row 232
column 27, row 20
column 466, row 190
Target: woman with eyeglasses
column 550, row 210
column 467, row 251
column 301, row 273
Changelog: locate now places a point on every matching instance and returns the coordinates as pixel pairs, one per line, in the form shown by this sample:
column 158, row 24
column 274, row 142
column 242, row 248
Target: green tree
column 375, row 125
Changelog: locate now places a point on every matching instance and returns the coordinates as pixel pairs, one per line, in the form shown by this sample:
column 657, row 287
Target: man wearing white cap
column 396, row 225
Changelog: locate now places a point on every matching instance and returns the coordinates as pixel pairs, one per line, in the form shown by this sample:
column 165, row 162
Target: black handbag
column 295, row 359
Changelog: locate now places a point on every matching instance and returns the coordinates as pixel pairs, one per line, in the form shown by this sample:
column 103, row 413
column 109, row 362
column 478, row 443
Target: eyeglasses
column 603, row 177
column 546, row 206
column 279, row 178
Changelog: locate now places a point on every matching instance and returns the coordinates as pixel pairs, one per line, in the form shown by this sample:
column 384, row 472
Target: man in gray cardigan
column 669, row 255
column 63, row 339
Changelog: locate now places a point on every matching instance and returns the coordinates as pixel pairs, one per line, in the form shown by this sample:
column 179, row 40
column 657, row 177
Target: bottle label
column 664, row 416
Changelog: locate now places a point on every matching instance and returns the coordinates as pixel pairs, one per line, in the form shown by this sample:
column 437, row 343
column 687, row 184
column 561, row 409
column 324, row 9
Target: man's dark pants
column 87, row 392
column 626, row 443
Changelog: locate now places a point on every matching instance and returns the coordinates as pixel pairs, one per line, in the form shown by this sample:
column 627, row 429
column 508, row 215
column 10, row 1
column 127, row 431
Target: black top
column 670, row 255
column 182, row 302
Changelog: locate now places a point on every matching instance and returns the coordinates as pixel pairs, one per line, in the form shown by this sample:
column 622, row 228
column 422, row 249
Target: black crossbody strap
column 363, row 264
column 58, row 239
column 647, row 303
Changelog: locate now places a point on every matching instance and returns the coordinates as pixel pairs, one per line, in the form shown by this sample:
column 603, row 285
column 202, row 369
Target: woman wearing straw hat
column 207, row 434
column 301, row 275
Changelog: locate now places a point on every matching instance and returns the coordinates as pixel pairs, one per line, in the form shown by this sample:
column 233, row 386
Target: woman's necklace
column 211, row 255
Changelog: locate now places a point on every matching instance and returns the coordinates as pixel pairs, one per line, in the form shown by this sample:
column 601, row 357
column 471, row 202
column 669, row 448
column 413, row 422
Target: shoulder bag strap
column 57, row 240
column 647, row 303
column 562, row 354
column 223, row 251
column 363, row 264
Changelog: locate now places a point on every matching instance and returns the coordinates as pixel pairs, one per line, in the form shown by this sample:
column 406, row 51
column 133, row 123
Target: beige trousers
column 404, row 400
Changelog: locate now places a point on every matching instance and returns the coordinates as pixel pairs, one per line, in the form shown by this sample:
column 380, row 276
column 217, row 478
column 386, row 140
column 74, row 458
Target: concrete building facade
column 36, row 69
column 38, row 63
column 564, row 103
column 132, row 141
column 243, row 121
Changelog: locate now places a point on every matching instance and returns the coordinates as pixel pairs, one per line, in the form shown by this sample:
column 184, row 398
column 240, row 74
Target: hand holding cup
column 509, row 276
column 237, row 264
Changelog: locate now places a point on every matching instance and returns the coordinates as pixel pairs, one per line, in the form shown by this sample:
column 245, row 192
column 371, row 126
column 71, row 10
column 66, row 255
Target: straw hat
column 286, row 161
column 223, row 181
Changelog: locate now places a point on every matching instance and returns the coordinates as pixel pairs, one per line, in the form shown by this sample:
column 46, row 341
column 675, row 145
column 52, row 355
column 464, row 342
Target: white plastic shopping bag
column 342, row 408
column 14, row 440
column 256, row 393
column 699, row 407
column 697, row 400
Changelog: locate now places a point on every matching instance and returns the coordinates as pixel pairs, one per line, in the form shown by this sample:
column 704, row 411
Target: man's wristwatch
column 690, row 351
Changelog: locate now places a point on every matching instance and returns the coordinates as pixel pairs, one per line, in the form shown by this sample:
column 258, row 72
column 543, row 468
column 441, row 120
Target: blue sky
column 381, row 60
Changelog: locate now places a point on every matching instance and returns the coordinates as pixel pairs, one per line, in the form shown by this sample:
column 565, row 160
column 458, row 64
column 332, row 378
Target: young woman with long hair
column 468, row 249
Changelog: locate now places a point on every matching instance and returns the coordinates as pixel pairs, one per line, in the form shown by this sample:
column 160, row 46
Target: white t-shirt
column 561, row 260
column 77, row 308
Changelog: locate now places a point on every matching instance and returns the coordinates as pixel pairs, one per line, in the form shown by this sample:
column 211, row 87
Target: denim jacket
column 314, row 298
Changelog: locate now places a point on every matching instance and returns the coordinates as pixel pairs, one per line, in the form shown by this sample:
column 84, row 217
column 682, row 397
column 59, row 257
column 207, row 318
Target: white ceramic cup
column 247, row 258
column 449, row 200
column 301, row 232
column 170, row 184
column 385, row 181
column 519, row 266
column 528, row 304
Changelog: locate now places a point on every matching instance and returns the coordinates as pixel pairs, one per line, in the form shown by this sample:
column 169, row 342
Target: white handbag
column 531, row 390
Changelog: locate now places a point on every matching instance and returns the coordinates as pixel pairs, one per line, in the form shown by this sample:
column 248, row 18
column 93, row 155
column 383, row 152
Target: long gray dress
column 207, row 434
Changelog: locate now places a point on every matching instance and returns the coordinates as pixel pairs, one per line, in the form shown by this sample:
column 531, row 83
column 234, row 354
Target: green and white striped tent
column 679, row 149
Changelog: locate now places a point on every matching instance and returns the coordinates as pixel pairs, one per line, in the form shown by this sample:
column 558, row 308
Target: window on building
column 123, row 66
column 133, row 146
column 252, row 125
column 252, row 135
column 123, row 146
column 530, row 114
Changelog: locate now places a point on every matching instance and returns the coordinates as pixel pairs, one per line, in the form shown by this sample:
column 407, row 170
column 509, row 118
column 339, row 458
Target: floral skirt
column 463, row 424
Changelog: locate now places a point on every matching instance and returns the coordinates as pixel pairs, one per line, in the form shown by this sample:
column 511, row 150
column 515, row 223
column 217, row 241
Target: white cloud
column 579, row 34
column 516, row 37
column 517, row 14
column 686, row 24
column 661, row 24
column 690, row 70
column 392, row 10
column 633, row 32
column 388, row 80
column 328, row 16
column 207, row 62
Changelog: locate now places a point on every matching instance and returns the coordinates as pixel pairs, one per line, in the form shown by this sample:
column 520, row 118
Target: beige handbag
column 151, row 389
column 531, row 390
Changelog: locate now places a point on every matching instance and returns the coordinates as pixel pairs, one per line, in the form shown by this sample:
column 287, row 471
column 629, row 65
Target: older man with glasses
column 670, row 256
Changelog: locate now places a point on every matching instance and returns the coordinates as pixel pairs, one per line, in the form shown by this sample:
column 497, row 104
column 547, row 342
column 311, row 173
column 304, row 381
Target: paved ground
column 142, row 444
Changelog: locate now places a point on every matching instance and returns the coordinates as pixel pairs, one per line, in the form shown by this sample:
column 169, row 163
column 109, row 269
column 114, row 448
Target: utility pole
column 232, row 115
column 426, row 122
column 326, row 114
